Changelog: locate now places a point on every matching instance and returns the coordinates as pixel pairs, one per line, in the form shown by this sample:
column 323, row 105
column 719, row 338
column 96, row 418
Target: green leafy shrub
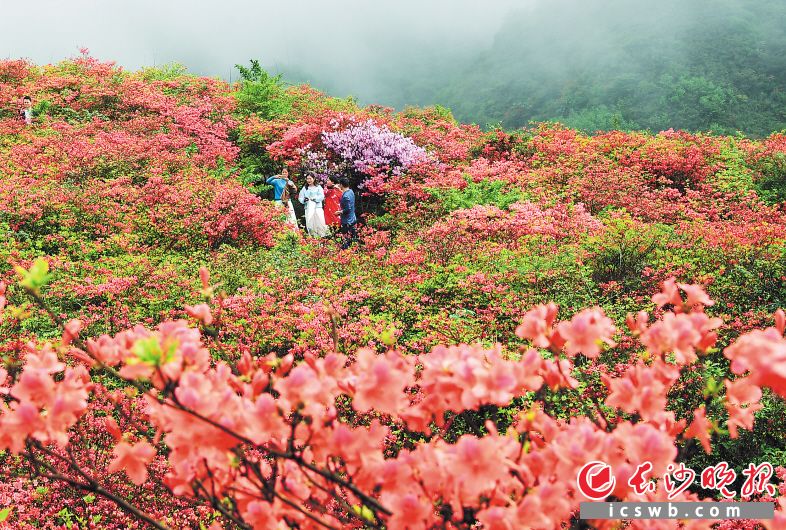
column 624, row 248
column 261, row 94
column 771, row 179
column 485, row 192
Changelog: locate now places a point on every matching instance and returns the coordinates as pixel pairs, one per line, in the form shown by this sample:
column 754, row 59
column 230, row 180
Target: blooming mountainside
column 519, row 304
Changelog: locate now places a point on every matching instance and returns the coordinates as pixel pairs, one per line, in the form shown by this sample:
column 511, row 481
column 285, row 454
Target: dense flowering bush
column 275, row 439
column 463, row 230
column 337, row 144
column 367, row 147
column 455, row 369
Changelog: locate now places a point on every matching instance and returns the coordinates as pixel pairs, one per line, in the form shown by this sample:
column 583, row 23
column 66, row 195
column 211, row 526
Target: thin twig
column 93, row 487
column 337, row 497
column 214, row 502
column 304, row 512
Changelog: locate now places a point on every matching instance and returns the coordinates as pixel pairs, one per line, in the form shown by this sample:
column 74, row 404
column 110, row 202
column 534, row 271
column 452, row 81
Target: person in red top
column 332, row 200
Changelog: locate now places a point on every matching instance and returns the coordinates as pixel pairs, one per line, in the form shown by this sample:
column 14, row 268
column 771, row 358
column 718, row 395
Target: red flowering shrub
column 237, row 216
column 463, row 230
column 673, row 159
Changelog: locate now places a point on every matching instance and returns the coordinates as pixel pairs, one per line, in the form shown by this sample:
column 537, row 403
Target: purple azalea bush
column 365, row 146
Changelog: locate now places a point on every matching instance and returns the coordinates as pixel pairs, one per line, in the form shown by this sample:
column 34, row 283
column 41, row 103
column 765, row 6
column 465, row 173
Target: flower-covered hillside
column 518, row 304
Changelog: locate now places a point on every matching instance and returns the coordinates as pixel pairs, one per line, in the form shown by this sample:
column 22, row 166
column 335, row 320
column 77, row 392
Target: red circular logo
column 595, row 480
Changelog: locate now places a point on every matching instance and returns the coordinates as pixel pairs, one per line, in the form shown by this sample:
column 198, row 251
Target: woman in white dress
column 313, row 197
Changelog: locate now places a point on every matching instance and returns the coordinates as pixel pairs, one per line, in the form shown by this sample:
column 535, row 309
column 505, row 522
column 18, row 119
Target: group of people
column 326, row 208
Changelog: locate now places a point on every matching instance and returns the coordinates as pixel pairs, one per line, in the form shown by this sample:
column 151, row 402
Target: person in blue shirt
column 283, row 189
column 347, row 213
column 279, row 183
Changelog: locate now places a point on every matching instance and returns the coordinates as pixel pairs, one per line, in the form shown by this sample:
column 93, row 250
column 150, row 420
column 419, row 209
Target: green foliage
column 765, row 444
column 485, row 192
column 364, row 512
column 42, row 107
column 148, row 351
column 164, row 72
column 73, row 116
column 623, row 249
column 598, row 118
column 429, row 115
column 264, row 96
column 36, row 277
column 770, row 182
column 261, row 94
column 734, row 175
column 474, row 421
column 752, row 279
column 255, row 166
column 636, row 65
column 700, row 101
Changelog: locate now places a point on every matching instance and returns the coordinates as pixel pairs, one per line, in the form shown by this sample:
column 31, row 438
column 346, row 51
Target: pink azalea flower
column 763, row 354
column 133, row 459
column 696, row 295
column 537, row 323
column 586, row 331
column 71, row 331
column 669, row 295
column 381, row 380
column 742, row 402
column 642, row 389
column 701, row 429
column 200, row 312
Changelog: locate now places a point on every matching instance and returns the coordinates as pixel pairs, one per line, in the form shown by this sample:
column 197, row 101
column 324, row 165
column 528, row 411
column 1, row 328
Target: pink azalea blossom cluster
column 275, row 436
column 464, row 230
column 46, row 399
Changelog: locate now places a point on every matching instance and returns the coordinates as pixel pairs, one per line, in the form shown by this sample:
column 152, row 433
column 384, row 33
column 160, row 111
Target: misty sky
column 338, row 42
column 591, row 64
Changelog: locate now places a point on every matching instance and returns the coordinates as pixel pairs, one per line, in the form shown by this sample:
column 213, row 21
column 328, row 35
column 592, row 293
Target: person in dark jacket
column 346, row 214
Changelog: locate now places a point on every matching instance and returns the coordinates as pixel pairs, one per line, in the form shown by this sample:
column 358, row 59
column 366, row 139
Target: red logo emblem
column 595, row 480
